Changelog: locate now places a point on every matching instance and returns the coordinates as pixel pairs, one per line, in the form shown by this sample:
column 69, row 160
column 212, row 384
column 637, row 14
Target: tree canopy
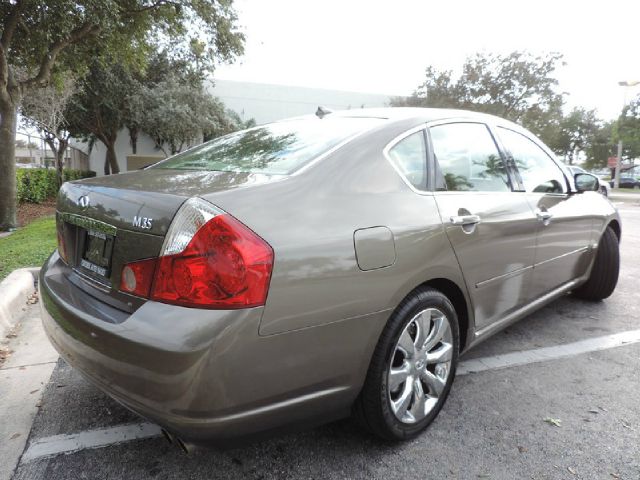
column 523, row 88
column 628, row 129
column 177, row 114
column 518, row 86
column 41, row 40
column 45, row 109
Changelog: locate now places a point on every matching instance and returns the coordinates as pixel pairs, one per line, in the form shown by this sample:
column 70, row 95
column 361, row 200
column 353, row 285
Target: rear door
column 491, row 229
column 564, row 225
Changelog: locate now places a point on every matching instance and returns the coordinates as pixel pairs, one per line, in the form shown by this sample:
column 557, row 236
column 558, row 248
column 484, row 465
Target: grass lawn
column 29, row 246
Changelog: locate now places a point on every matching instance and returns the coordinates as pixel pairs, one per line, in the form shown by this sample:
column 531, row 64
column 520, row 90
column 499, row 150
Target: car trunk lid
column 104, row 223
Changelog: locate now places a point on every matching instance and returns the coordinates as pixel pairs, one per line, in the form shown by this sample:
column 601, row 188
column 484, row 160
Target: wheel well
column 615, row 226
column 455, row 295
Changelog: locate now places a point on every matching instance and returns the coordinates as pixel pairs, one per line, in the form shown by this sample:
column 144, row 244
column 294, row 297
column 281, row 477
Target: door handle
column 465, row 220
column 544, row 216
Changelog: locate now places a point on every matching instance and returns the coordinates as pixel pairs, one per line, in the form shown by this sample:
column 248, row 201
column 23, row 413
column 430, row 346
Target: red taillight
column 224, row 265
column 208, row 260
column 137, row 277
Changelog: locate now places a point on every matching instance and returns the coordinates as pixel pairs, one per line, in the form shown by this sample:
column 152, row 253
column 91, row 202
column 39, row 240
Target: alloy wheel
column 420, row 366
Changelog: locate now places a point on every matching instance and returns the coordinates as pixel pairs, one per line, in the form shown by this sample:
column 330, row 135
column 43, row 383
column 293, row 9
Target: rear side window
column 468, row 158
column 539, row 172
column 275, row 149
column 409, row 156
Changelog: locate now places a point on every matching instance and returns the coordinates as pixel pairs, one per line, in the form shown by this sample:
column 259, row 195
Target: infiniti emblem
column 83, row 201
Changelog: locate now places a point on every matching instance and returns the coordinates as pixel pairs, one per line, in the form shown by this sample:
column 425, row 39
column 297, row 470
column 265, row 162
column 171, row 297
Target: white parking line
column 103, row 437
column 545, row 354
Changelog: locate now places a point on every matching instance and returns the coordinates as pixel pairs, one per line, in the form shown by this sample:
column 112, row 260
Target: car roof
column 423, row 114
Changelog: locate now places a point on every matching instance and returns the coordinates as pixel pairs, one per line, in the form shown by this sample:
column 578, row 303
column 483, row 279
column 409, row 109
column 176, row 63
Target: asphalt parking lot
column 554, row 396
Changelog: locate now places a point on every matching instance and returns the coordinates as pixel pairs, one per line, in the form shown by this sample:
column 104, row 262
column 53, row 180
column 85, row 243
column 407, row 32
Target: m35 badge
column 142, row 222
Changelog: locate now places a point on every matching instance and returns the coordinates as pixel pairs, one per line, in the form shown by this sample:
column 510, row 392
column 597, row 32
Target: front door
column 491, row 228
column 564, row 226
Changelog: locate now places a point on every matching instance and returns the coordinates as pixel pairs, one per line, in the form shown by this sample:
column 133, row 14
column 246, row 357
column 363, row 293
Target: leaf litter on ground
column 556, row 422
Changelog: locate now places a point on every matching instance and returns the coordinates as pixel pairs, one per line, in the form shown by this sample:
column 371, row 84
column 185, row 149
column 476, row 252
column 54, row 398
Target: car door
column 491, row 229
column 564, row 225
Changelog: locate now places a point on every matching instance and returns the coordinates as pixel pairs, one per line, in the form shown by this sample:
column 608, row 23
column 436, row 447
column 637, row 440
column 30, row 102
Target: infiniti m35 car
column 317, row 267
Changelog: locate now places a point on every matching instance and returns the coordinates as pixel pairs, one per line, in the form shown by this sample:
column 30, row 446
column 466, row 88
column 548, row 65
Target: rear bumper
column 207, row 375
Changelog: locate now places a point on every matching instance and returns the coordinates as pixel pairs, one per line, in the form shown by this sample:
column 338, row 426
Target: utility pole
column 625, row 85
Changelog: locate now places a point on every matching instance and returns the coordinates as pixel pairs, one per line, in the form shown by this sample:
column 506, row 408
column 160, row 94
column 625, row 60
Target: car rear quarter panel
column 309, row 219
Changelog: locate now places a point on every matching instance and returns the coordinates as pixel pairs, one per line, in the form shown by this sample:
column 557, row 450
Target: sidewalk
column 23, row 376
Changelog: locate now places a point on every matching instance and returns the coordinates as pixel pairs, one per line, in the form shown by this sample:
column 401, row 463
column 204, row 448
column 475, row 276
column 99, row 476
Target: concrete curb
column 14, row 292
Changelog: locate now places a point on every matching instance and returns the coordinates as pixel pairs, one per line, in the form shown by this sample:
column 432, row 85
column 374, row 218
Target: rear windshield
column 275, row 149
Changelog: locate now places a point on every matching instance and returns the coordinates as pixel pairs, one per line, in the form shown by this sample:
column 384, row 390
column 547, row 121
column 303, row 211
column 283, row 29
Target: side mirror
column 585, row 182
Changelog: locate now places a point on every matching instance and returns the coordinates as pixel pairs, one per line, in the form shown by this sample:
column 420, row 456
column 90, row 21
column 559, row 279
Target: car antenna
column 322, row 111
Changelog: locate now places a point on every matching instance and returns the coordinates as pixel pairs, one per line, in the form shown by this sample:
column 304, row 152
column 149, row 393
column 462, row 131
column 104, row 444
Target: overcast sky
column 383, row 47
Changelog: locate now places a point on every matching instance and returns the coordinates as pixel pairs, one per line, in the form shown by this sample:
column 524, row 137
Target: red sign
column 612, row 162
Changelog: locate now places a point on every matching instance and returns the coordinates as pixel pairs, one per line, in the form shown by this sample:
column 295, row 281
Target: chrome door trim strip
column 504, row 276
column 521, row 312
column 573, row 252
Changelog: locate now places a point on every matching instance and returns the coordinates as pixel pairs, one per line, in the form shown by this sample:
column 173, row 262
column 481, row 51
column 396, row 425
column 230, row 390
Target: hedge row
column 35, row 185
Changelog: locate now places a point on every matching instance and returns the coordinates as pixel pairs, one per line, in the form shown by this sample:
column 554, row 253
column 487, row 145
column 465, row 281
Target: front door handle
column 465, row 220
column 544, row 216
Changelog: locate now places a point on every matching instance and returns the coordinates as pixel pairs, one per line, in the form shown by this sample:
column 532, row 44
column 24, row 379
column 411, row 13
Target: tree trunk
column 133, row 137
column 111, row 160
column 59, row 165
column 8, row 118
column 58, row 157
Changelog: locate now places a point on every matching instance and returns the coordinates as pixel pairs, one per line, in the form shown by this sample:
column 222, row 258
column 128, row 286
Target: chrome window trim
column 533, row 139
column 397, row 139
column 494, row 139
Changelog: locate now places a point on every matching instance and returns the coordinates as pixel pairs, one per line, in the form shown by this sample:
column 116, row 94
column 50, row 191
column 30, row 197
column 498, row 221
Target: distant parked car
column 29, row 165
column 604, row 186
column 627, row 182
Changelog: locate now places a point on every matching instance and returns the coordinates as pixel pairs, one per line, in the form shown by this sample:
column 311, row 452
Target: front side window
column 539, row 172
column 278, row 148
column 409, row 156
column 468, row 158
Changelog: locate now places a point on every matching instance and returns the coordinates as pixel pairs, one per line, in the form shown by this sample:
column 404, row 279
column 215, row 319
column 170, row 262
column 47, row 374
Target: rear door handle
column 465, row 220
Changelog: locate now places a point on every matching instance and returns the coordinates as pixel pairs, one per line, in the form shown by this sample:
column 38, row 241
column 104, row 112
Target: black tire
column 372, row 409
column 604, row 274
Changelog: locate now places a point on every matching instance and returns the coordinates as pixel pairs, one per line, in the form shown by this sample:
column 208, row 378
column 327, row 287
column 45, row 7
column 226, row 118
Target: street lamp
column 626, row 84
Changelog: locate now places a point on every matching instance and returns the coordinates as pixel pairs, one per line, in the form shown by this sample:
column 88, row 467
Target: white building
column 262, row 102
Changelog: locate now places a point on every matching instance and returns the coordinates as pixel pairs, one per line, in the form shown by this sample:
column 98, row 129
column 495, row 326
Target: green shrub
column 35, row 185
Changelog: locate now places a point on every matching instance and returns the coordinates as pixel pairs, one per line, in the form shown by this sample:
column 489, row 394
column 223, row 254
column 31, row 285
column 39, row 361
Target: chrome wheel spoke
column 400, row 405
column 435, row 383
column 439, row 331
column 398, row 375
column 423, row 326
column 405, row 343
column 419, row 399
column 442, row 354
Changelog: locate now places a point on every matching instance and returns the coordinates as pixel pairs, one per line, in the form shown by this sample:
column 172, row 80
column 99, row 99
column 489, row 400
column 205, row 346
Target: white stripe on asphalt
column 545, row 354
column 103, row 437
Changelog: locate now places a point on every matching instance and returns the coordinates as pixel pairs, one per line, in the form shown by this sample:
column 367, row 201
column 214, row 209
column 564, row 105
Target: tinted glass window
column 538, row 171
column 468, row 158
column 410, row 157
column 277, row 148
